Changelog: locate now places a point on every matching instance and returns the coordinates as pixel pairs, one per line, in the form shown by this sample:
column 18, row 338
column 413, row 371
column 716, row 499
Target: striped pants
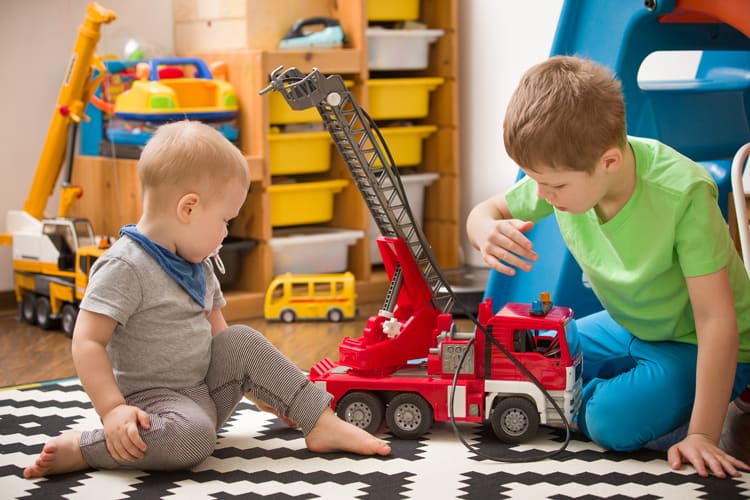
column 184, row 423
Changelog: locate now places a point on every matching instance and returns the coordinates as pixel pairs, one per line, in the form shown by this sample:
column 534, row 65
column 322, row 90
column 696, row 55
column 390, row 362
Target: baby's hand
column 506, row 247
column 124, row 442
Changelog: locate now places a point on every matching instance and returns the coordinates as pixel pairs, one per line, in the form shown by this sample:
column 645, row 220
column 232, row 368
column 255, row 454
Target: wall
column 500, row 40
column 38, row 37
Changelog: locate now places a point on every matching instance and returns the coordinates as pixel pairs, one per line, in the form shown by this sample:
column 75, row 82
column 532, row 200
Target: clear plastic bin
column 400, row 49
column 313, row 250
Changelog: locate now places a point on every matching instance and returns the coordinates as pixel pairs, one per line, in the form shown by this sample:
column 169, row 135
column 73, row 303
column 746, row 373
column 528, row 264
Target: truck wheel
column 44, row 313
column 28, row 308
column 514, row 420
column 287, row 316
column 335, row 315
column 409, row 415
column 69, row 314
column 363, row 409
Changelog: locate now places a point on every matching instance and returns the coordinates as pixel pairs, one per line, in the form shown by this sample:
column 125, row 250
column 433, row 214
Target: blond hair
column 189, row 156
column 564, row 114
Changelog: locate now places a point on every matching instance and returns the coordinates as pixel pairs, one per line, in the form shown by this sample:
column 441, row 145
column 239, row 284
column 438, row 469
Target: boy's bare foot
column 333, row 434
column 60, row 455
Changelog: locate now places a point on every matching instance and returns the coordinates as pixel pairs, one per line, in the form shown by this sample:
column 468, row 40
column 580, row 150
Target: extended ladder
column 370, row 164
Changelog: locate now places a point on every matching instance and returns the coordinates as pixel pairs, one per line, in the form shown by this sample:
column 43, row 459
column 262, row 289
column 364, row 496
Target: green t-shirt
column 637, row 262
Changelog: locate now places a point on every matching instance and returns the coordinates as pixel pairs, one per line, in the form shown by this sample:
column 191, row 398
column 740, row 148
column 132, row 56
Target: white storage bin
column 414, row 185
column 399, row 49
column 311, row 250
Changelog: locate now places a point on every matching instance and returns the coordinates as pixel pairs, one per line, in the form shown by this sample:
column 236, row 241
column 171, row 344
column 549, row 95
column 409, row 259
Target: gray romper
column 166, row 362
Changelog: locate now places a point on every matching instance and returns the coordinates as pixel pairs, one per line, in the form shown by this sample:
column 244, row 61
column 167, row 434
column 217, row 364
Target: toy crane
column 415, row 283
column 402, row 368
column 52, row 257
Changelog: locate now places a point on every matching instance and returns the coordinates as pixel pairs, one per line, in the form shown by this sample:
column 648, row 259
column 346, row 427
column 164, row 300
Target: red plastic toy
column 520, row 367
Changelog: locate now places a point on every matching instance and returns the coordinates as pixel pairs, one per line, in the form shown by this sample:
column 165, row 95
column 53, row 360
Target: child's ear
column 186, row 205
column 612, row 159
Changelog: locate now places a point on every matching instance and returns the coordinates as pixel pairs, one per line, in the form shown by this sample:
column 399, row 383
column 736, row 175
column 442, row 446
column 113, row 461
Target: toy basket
column 303, row 202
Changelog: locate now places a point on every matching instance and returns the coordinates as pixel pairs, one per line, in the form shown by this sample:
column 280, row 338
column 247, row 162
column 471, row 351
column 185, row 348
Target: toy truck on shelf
column 515, row 370
column 51, row 263
column 291, row 297
column 52, row 256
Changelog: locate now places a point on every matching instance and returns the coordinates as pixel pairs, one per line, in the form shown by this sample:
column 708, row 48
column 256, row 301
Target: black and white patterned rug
column 258, row 457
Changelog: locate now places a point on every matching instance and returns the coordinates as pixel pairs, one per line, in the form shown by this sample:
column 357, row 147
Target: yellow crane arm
column 76, row 90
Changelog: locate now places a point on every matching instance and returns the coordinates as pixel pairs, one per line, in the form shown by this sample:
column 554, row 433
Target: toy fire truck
column 519, row 368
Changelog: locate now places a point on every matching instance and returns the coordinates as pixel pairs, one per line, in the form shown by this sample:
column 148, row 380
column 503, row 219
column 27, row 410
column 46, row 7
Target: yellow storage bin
column 303, row 202
column 396, row 98
column 405, row 143
column 280, row 113
column 299, row 152
column 392, row 10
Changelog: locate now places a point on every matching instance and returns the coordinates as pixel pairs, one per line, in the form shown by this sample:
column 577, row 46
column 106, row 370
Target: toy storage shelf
column 250, row 56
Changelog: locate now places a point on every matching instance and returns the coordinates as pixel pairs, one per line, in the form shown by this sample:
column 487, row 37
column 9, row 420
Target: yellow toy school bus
column 311, row 296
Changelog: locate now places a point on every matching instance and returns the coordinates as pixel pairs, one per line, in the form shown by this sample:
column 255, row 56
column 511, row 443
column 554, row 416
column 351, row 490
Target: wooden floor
column 29, row 354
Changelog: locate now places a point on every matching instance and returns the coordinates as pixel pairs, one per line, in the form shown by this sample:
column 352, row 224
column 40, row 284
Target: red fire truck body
column 489, row 387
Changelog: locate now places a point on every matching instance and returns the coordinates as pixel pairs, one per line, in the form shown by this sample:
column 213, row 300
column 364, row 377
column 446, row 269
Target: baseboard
column 8, row 300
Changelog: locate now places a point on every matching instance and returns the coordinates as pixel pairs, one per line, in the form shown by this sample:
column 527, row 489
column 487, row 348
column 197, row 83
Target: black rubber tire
column 409, row 416
column 514, row 420
column 28, row 308
column 362, row 409
column 287, row 316
column 335, row 315
column 44, row 313
column 68, row 317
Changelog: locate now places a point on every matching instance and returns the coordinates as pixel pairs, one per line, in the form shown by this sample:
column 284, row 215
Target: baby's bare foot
column 333, row 434
column 60, row 455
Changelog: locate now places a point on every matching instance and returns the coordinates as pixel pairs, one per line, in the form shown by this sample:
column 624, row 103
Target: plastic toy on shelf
column 169, row 89
column 411, row 366
column 311, row 296
column 300, row 36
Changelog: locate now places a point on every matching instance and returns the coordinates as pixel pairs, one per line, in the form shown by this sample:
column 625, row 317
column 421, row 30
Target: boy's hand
column 699, row 451
column 124, row 441
column 506, row 247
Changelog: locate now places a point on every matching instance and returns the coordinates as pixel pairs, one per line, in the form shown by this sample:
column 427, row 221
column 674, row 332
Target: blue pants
column 636, row 391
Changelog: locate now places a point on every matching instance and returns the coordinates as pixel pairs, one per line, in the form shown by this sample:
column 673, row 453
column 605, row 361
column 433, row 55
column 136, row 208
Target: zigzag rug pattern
column 258, row 457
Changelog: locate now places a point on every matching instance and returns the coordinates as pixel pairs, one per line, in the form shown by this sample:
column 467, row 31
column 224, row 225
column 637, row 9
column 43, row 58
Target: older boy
column 642, row 221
